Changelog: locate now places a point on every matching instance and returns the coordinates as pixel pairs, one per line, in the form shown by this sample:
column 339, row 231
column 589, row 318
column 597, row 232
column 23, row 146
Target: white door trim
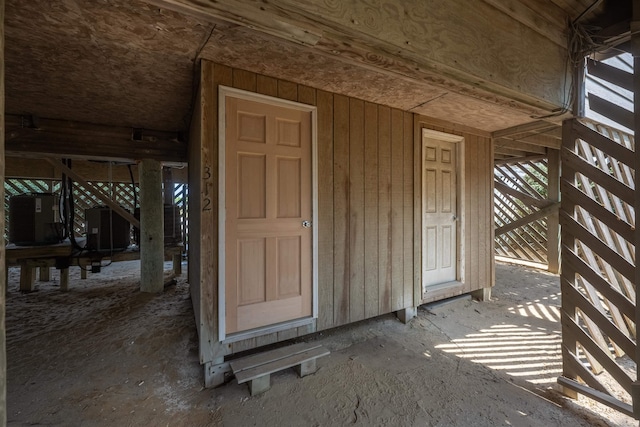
column 223, row 93
column 460, row 190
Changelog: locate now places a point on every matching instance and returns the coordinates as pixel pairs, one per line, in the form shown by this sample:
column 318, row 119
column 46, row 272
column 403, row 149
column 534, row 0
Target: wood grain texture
column 483, row 213
column 371, row 242
column 476, row 208
column 341, row 217
column 325, row 210
column 267, row 85
column 3, row 263
column 407, row 206
column 368, row 157
column 356, row 210
column 245, row 80
column 287, row 90
column 473, row 250
column 397, row 200
column 384, row 209
column 122, row 63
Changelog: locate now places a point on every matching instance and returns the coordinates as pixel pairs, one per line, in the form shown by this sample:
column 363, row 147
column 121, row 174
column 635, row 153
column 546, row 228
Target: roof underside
column 129, row 63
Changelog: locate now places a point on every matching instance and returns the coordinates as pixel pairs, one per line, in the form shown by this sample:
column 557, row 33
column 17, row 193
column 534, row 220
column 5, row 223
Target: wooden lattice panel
column 598, row 262
column 520, row 207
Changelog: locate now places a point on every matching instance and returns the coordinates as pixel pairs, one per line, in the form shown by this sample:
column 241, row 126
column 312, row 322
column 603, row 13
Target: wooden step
column 257, row 369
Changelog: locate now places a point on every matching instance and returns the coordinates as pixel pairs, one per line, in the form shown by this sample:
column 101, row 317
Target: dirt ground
column 104, row 354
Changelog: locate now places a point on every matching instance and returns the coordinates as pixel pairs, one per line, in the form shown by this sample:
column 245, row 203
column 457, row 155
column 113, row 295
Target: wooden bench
column 257, row 369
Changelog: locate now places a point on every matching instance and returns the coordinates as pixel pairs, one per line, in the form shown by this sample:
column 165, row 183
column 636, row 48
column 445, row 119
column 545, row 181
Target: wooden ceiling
column 490, row 64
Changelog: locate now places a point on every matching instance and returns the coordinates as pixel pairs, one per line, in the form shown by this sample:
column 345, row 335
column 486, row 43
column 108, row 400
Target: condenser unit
column 34, row 219
column 172, row 226
column 106, row 229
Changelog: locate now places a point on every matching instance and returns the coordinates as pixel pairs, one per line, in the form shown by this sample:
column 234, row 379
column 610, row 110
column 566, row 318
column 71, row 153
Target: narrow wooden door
column 268, row 200
column 439, row 233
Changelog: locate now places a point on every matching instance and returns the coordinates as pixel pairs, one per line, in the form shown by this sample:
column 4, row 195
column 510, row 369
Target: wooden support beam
column 151, row 227
column 635, row 45
column 168, row 184
column 3, row 259
column 518, row 145
column 549, row 210
column 513, row 160
column 510, row 152
column 610, row 74
column 390, row 49
column 553, row 220
column 544, row 24
column 527, row 199
column 69, row 139
column 611, row 111
column 539, row 126
column 99, row 193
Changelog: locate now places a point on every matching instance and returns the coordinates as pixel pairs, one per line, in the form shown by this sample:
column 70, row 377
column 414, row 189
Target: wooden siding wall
column 476, row 239
column 368, row 255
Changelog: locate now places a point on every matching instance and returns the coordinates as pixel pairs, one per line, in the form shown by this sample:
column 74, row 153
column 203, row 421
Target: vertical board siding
column 371, row 252
column 384, row 209
column 397, row 218
column 356, row 210
column 407, row 225
column 325, row 209
column 369, row 207
column 341, row 216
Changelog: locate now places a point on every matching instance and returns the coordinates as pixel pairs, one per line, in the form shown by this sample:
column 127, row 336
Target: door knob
column 455, row 218
column 306, row 224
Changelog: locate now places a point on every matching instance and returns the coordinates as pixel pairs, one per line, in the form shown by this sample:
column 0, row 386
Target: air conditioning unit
column 34, row 219
column 172, row 226
column 106, row 229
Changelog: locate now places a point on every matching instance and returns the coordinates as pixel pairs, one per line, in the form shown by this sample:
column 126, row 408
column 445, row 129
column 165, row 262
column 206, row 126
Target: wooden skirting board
column 257, row 369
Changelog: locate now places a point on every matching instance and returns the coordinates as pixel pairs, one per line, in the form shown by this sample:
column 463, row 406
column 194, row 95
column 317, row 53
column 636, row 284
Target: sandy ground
column 104, row 354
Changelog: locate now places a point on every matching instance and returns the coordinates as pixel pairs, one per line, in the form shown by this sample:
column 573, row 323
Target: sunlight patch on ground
column 523, row 351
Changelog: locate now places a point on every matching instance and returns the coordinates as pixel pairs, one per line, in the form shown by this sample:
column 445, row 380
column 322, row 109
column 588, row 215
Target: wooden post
column 553, row 221
column 635, row 49
column 167, row 178
column 44, row 274
column 568, row 277
column 3, row 261
column 151, row 227
column 64, row 279
column 27, row 276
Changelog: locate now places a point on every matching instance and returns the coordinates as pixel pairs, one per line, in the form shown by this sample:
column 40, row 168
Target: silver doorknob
column 306, row 224
column 454, row 218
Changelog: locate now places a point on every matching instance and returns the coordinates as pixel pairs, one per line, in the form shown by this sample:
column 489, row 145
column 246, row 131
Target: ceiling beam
column 70, row 139
column 533, row 19
column 539, row 126
column 518, row 145
column 382, row 41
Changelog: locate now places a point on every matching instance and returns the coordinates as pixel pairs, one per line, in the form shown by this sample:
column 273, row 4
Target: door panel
column 439, row 235
column 268, row 193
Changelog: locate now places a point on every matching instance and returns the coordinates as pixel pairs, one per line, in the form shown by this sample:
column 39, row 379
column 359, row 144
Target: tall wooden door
column 439, row 207
column 268, row 198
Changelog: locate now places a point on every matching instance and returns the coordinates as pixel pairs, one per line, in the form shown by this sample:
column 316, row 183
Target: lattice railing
column 521, row 207
column 122, row 193
column 598, row 263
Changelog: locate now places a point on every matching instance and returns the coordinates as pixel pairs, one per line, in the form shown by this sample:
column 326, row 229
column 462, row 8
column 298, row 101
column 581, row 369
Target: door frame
column 223, row 93
column 459, row 141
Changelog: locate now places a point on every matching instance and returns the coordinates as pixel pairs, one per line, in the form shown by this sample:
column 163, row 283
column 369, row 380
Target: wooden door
column 439, row 207
column 268, row 200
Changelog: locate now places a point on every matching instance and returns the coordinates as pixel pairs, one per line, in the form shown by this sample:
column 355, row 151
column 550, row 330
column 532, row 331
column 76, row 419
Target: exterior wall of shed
column 369, row 200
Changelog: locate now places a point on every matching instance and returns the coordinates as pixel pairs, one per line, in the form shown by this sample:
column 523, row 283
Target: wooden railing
column 598, row 263
column 523, row 205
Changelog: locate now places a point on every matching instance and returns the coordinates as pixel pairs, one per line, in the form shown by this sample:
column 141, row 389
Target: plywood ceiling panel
column 128, row 63
column 121, row 63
